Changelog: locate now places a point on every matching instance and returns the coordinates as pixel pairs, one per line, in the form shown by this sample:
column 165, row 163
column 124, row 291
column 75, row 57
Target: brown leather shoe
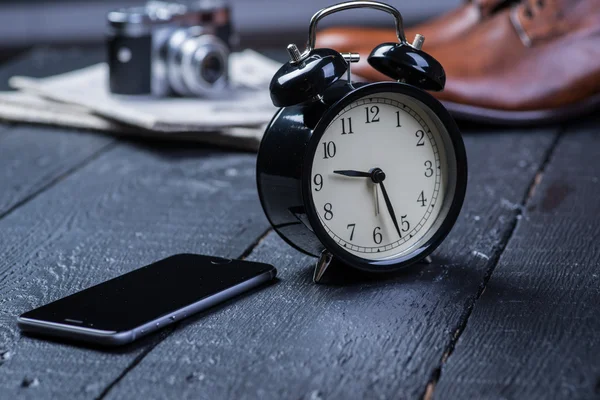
column 538, row 61
column 441, row 30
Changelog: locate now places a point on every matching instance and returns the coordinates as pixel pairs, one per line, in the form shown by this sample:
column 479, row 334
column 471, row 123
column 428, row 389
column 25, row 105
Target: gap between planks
column 537, row 179
column 173, row 327
column 137, row 360
column 255, row 244
column 59, row 178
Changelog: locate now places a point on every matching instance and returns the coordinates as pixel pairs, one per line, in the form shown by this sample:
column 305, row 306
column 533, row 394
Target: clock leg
column 322, row 264
column 326, row 261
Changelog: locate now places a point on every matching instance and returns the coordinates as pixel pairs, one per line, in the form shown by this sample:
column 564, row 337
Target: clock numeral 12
column 349, row 126
column 398, row 119
column 375, row 111
column 328, row 150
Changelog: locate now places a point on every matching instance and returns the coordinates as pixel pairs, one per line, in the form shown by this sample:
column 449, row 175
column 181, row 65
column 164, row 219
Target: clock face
column 379, row 177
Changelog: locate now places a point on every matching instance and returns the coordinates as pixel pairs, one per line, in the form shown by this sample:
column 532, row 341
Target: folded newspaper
column 81, row 99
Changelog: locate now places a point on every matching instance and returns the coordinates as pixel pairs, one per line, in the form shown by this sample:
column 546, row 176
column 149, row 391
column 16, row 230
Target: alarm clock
column 371, row 175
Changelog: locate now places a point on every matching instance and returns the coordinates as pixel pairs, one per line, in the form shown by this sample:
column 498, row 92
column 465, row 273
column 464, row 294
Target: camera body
column 167, row 48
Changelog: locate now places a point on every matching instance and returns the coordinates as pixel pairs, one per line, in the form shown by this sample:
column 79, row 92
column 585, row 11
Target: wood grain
column 359, row 338
column 32, row 159
column 534, row 333
column 132, row 205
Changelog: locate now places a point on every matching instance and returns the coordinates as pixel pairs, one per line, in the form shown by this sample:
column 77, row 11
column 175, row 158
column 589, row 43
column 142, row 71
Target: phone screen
column 148, row 293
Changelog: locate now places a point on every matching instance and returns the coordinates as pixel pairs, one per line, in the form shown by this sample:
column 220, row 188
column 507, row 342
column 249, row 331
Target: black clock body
column 280, row 163
column 286, row 153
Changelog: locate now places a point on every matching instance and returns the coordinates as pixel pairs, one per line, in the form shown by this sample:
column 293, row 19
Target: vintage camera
column 167, row 48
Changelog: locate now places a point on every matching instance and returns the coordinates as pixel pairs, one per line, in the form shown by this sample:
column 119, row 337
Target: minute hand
column 388, row 203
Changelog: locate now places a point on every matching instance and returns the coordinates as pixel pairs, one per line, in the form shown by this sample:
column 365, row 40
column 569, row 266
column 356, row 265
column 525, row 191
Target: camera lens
column 211, row 68
column 205, row 69
column 197, row 63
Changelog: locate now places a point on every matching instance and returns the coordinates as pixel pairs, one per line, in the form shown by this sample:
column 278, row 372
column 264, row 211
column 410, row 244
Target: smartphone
column 130, row 306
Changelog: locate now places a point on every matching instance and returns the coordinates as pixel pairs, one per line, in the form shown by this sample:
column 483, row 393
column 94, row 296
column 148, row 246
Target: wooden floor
column 509, row 309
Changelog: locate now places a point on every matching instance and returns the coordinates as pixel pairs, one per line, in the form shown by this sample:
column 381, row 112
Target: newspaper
column 81, row 99
column 26, row 107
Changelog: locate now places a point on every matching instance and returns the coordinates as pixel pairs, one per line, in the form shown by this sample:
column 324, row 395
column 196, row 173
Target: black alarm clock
column 372, row 175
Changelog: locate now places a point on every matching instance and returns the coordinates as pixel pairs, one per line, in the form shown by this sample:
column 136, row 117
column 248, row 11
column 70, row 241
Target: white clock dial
column 394, row 133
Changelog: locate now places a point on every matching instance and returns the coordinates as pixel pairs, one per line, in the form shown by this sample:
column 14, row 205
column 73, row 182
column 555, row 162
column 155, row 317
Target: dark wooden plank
column 34, row 158
column 534, row 333
column 4, row 128
column 130, row 206
column 365, row 339
column 42, row 62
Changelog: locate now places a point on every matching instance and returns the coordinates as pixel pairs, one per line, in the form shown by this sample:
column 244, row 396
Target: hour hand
column 352, row 173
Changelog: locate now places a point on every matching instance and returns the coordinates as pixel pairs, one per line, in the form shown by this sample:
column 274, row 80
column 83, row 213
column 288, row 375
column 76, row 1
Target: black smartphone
column 125, row 308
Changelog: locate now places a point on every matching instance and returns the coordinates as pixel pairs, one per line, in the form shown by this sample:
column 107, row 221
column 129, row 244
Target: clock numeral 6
column 318, row 181
column 328, row 150
column 328, row 211
column 349, row 120
column 429, row 169
column 377, row 236
column 372, row 114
